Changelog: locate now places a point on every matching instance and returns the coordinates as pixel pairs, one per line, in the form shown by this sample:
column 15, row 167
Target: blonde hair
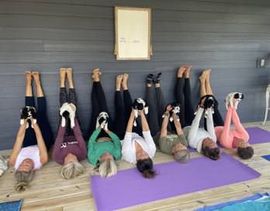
column 23, row 179
column 72, row 169
column 107, row 168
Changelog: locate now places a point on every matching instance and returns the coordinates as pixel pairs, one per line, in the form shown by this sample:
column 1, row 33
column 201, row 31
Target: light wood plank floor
column 49, row 191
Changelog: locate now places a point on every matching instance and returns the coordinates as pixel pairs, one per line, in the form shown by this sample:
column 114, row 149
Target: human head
column 180, row 153
column 245, row 152
column 145, row 166
column 210, row 149
column 107, row 167
column 24, row 174
column 26, row 165
column 72, row 167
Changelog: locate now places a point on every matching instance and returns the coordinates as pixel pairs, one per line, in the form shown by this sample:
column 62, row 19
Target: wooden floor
column 49, row 191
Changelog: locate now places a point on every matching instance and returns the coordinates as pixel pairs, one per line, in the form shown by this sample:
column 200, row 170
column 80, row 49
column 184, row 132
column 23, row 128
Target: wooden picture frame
column 132, row 33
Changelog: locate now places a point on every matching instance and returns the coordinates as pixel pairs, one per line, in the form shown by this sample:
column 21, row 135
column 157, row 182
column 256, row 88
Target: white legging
column 196, row 134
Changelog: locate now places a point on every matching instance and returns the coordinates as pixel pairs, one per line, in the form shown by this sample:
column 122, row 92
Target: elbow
column 44, row 160
column 11, row 162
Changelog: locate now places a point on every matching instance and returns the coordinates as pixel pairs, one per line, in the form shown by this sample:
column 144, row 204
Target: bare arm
column 41, row 145
column 177, row 125
column 78, row 135
column 130, row 122
column 18, row 144
column 145, row 126
column 164, row 125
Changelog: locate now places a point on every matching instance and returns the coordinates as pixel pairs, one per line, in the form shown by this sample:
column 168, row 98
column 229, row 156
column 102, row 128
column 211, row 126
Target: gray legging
column 67, row 98
column 155, row 101
column 183, row 96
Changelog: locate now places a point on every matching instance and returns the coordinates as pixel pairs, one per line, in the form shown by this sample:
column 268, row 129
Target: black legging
column 122, row 112
column 183, row 97
column 42, row 121
column 99, row 104
column 217, row 118
column 67, row 98
column 155, row 101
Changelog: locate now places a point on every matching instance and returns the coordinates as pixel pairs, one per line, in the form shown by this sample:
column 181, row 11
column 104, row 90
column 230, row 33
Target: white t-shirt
column 31, row 152
column 128, row 146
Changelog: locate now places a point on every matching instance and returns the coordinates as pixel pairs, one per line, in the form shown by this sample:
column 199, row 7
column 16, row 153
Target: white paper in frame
column 132, row 33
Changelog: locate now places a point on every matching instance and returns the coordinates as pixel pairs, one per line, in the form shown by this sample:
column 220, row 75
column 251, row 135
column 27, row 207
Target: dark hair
column 245, row 152
column 145, row 166
column 212, row 153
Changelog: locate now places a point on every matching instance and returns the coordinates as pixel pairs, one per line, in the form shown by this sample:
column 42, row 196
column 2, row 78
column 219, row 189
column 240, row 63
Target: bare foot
column 118, row 82
column 62, row 75
column 62, row 72
column 125, row 81
column 181, row 71
column 187, row 71
column 69, row 72
column 96, row 74
column 36, row 76
column 69, row 76
column 203, row 75
column 28, row 76
column 207, row 72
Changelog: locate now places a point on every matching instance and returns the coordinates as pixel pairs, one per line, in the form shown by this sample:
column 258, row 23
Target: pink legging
column 226, row 135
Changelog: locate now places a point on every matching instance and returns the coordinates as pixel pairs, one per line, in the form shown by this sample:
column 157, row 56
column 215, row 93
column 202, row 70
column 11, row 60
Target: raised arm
column 130, row 122
column 238, row 125
column 210, row 124
column 18, row 144
column 114, row 137
column 177, row 124
column 93, row 138
column 79, row 137
column 164, row 125
column 145, row 126
column 195, row 124
column 165, row 121
column 41, row 144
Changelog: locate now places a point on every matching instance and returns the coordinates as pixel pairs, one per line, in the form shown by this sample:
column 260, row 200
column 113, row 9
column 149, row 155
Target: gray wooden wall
column 44, row 35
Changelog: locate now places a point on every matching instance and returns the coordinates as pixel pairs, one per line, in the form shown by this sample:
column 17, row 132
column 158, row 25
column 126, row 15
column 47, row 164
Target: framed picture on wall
column 132, row 33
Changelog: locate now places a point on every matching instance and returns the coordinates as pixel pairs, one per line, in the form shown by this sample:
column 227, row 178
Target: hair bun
column 21, row 186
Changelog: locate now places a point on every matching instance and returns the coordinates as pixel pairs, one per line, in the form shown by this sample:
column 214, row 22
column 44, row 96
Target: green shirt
column 97, row 149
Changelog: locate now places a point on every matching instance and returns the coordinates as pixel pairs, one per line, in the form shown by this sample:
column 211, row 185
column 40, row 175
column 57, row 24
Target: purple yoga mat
column 129, row 188
column 258, row 135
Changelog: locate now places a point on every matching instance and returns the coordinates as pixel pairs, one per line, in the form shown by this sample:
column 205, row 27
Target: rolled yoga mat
column 129, row 188
column 258, row 135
